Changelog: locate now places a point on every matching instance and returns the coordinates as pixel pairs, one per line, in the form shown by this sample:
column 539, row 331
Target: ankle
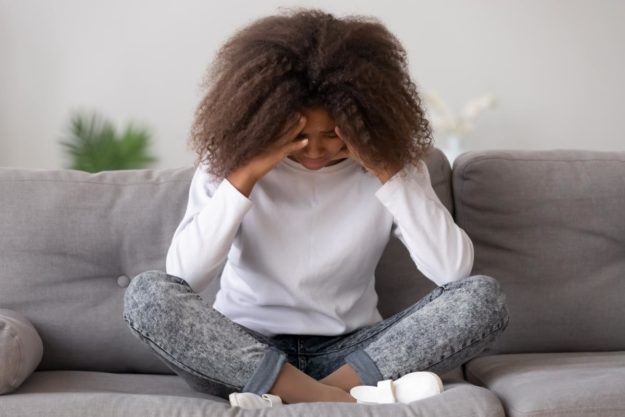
column 344, row 378
column 294, row 386
column 336, row 394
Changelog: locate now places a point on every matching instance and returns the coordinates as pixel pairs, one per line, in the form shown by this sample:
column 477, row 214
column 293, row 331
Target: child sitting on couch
column 310, row 144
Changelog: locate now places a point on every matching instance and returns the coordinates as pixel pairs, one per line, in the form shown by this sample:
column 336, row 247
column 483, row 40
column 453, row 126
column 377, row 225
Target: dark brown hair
column 277, row 65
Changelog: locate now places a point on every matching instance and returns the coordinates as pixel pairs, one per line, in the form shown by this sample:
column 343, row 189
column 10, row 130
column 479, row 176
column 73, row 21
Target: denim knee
column 141, row 291
column 489, row 294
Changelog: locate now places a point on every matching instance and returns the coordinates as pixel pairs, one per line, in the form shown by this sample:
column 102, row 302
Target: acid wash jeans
column 444, row 329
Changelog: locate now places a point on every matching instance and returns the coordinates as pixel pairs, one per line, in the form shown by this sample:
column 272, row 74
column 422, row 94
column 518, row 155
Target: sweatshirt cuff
column 394, row 184
column 235, row 198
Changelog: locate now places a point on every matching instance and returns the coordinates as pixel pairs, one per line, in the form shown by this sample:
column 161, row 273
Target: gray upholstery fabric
column 70, row 241
column 554, row 384
column 99, row 394
column 21, row 350
column 549, row 226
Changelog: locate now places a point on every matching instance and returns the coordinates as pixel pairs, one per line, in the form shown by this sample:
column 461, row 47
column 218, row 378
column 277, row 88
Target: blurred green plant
column 93, row 144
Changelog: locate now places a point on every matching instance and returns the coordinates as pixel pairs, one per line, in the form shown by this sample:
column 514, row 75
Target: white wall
column 555, row 66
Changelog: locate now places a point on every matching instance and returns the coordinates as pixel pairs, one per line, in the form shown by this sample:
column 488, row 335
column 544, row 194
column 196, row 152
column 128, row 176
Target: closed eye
column 328, row 135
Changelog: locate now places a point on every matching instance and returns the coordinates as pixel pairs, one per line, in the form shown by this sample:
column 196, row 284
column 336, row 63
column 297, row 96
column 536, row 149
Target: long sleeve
column 441, row 250
column 202, row 240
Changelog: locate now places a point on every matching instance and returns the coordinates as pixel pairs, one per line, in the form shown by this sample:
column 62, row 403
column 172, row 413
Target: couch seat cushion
column 95, row 394
column 554, row 384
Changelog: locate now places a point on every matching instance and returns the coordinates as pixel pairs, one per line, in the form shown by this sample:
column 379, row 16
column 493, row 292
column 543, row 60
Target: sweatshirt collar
column 327, row 169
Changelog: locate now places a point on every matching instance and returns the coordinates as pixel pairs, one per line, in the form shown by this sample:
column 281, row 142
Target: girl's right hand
column 245, row 177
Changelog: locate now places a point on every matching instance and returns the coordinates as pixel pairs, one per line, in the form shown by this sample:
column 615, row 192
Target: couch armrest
column 21, row 350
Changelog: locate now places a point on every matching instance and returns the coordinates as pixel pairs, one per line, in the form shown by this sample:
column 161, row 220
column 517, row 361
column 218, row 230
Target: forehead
column 317, row 118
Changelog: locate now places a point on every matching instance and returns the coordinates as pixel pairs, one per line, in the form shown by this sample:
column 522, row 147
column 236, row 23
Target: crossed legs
column 440, row 332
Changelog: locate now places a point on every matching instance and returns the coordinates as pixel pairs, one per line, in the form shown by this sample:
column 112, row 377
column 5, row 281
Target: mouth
column 314, row 163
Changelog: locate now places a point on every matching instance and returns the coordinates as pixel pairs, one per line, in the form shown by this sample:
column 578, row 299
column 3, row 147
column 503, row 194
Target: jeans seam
column 301, row 362
column 178, row 363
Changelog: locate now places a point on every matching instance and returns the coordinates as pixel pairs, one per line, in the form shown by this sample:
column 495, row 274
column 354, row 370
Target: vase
column 451, row 147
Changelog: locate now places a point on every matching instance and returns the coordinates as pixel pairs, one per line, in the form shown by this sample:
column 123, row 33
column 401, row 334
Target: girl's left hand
column 348, row 151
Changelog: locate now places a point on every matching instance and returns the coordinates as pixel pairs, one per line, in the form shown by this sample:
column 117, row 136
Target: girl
column 310, row 144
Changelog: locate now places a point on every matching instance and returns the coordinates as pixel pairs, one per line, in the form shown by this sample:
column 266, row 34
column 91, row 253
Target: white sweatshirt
column 300, row 253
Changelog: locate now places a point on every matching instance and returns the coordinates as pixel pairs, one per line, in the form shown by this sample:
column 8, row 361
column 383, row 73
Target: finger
column 291, row 147
column 352, row 153
column 339, row 133
column 343, row 153
column 345, row 139
column 294, row 130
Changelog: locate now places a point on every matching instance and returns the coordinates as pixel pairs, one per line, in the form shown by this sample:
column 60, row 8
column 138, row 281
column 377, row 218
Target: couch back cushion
column 549, row 225
column 70, row 241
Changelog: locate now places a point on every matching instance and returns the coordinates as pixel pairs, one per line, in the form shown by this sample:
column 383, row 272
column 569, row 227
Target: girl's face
column 323, row 143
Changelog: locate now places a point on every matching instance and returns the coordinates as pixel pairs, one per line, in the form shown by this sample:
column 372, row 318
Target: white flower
column 445, row 121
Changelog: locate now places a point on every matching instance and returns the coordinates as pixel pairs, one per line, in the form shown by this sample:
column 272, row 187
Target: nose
column 314, row 149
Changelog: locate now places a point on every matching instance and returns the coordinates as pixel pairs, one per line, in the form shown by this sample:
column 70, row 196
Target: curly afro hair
column 277, row 65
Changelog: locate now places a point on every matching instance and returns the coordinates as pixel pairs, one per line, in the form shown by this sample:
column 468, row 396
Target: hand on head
column 383, row 173
column 245, row 177
column 350, row 152
column 265, row 161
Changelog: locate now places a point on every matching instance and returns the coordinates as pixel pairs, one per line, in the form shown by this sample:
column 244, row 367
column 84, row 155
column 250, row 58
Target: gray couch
column 549, row 225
